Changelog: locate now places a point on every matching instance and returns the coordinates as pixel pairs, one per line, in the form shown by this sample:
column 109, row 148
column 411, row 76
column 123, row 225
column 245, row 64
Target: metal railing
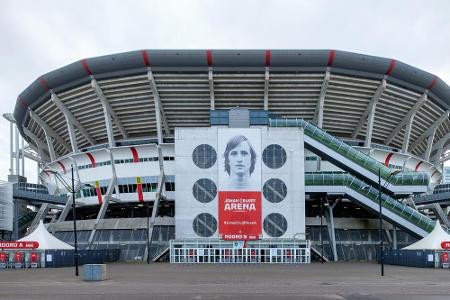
column 285, row 251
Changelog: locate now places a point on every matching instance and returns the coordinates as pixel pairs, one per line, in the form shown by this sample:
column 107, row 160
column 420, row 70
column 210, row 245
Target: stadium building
column 280, row 149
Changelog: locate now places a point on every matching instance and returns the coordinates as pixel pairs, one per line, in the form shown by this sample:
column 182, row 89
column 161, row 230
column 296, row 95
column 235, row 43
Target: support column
column 266, row 89
column 429, row 145
column 369, row 114
column 370, row 119
column 159, row 190
column 318, row 116
column 66, row 209
column 438, row 155
column 394, row 238
column 38, row 173
column 51, row 149
column 109, row 129
column 11, row 148
column 22, row 156
column 106, row 200
column 41, row 214
column 331, row 230
column 157, row 103
column 407, row 135
column 73, row 138
column 17, row 152
column 109, row 114
column 211, row 87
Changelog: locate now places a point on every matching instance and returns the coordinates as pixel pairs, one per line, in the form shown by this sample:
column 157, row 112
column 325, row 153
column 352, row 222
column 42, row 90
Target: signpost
column 19, row 245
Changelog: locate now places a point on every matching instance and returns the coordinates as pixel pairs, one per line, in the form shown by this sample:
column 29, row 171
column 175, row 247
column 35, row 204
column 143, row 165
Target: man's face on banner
column 240, row 159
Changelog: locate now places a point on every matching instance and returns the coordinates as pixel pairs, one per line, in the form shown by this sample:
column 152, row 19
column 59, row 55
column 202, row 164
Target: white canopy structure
column 45, row 239
column 432, row 241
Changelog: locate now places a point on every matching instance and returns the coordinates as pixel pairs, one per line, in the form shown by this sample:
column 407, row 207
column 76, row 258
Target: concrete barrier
column 94, row 272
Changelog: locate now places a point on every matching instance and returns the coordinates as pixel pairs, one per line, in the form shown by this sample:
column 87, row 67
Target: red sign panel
column 445, row 245
column 240, row 215
column 19, row 245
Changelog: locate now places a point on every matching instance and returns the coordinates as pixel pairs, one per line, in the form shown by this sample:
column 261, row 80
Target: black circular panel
column 274, row 156
column 204, row 156
column 275, row 225
column 274, row 190
column 204, row 190
column 204, row 225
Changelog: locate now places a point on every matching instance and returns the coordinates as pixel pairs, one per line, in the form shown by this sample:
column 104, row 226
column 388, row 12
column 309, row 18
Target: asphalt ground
column 169, row 281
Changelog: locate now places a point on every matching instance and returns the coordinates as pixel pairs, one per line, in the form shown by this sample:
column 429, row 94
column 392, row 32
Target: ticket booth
column 445, row 260
column 35, row 259
column 3, row 260
column 19, row 260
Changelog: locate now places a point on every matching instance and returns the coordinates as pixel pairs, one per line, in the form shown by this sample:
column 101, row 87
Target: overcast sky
column 39, row 36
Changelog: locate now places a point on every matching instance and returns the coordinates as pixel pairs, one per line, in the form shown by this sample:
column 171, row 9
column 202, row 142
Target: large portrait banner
column 239, row 183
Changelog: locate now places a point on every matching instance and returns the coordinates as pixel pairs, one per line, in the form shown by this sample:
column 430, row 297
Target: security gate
column 217, row 251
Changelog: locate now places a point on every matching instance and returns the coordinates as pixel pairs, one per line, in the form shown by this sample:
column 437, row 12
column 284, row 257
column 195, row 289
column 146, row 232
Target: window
column 258, row 117
column 219, row 117
column 310, row 158
column 170, row 186
column 149, row 187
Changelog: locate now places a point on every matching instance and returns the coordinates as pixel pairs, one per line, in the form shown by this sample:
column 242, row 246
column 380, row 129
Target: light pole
column 381, row 216
column 381, row 224
column 148, row 232
column 72, row 190
column 321, row 227
column 74, row 216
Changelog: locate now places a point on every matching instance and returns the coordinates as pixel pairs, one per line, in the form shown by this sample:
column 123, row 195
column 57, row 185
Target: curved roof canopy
column 184, row 83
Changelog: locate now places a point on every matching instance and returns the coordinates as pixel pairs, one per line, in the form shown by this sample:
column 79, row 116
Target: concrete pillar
column 394, row 238
column 331, row 230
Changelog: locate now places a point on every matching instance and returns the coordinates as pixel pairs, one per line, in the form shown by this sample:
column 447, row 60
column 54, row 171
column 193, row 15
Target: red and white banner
column 240, row 215
column 19, row 245
column 445, row 245
column 240, row 183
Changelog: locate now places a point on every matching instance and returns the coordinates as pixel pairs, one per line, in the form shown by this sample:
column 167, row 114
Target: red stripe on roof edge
column 145, row 57
column 331, row 58
column 44, row 83
column 86, row 67
column 391, row 67
column 388, row 158
column 22, row 102
column 209, row 57
column 268, row 58
column 432, row 84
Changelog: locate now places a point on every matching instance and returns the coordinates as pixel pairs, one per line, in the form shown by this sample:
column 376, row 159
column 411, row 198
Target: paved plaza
column 163, row 280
